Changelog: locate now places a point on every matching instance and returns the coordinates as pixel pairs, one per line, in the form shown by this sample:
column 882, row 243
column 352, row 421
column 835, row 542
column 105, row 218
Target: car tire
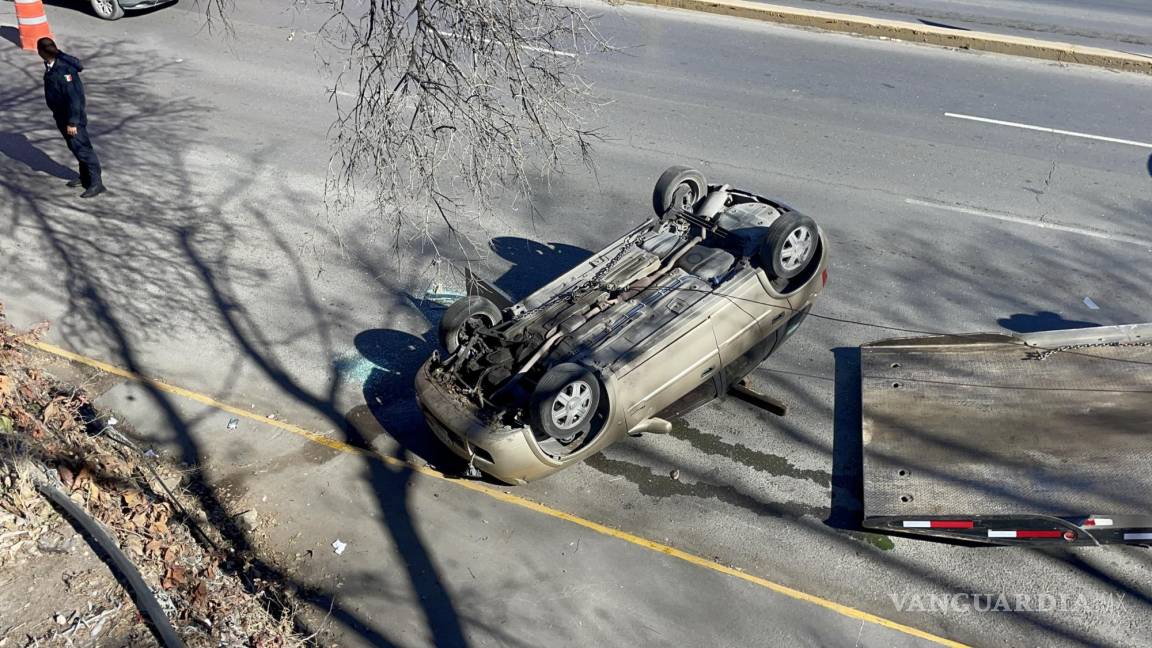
column 789, row 246
column 565, row 401
column 471, row 311
column 108, row 9
column 678, row 187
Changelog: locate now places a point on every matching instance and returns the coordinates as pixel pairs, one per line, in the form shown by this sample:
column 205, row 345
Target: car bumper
column 500, row 451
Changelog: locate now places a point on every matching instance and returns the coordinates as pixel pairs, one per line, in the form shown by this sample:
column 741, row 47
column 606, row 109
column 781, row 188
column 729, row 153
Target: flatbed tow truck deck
column 1043, row 438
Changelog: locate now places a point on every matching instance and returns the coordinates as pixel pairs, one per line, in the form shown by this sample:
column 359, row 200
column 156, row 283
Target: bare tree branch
column 453, row 107
column 216, row 13
column 457, row 104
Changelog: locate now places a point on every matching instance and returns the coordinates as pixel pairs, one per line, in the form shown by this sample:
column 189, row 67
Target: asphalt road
column 1113, row 24
column 215, row 265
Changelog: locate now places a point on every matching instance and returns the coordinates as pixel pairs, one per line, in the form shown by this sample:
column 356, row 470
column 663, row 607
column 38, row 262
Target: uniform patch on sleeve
column 68, row 78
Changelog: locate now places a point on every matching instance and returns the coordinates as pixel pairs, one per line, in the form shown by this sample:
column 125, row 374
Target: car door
column 745, row 325
column 701, row 395
column 665, row 377
column 681, row 358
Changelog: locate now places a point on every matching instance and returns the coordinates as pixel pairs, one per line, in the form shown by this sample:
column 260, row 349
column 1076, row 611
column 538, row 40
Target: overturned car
column 668, row 317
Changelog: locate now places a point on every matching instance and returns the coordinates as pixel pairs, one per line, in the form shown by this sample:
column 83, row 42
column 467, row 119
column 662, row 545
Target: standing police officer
column 64, row 92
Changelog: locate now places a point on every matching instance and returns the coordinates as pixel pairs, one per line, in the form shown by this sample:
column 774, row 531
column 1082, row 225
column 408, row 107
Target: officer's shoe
column 75, row 182
column 93, row 191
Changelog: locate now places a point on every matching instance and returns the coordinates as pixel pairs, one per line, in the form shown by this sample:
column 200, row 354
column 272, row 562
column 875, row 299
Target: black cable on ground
column 145, row 600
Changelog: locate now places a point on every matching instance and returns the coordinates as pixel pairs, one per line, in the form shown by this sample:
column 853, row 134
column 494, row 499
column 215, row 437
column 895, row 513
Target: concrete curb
column 916, row 33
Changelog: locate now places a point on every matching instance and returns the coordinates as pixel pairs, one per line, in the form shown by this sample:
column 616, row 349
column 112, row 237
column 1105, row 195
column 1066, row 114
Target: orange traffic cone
column 33, row 22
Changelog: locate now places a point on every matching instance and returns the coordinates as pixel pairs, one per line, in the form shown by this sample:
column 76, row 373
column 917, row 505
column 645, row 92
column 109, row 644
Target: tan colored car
column 670, row 316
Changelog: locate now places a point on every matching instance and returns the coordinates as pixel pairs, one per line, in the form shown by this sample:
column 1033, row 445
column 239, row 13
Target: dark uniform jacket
column 64, row 91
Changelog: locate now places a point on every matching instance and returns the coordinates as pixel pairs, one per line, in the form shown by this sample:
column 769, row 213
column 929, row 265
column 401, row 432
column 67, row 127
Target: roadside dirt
column 57, row 590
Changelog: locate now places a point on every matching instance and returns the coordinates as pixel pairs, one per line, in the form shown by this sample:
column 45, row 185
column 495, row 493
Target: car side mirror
column 651, row 426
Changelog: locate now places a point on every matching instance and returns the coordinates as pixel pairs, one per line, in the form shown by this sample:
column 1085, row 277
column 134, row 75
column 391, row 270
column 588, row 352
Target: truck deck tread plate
column 979, row 426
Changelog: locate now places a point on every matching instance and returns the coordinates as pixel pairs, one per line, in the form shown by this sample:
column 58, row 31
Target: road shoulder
column 915, row 33
column 390, row 552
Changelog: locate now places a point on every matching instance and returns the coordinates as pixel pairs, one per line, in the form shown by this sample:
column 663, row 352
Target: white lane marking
column 1045, row 129
column 1008, row 218
column 1138, row 536
column 527, row 48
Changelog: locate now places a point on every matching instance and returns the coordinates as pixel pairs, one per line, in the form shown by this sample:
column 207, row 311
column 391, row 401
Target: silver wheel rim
column 571, row 406
column 105, row 7
column 796, row 248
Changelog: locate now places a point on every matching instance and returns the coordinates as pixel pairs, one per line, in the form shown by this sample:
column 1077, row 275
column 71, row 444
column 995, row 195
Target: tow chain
column 624, row 249
column 1044, row 354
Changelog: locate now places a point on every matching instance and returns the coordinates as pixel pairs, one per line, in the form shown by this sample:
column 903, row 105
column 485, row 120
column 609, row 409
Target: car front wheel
column 565, row 401
column 108, row 9
column 789, row 246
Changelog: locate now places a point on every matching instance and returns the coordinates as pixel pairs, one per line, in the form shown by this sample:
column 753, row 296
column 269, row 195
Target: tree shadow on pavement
column 389, row 482
column 157, row 261
column 132, row 228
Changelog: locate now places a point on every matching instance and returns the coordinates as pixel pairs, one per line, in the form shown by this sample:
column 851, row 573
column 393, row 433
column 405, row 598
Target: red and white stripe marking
column 1025, row 534
column 938, row 524
column 1014, row 534
column 1097, row 522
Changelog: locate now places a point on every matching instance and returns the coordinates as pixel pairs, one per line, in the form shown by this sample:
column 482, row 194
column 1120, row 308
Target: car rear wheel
column 679, row 188
column 108, row 9
column 464, row 317
column 789, row 246
column 565, row 401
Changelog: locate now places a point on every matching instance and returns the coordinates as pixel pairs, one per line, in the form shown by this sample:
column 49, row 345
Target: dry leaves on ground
column 46, row 429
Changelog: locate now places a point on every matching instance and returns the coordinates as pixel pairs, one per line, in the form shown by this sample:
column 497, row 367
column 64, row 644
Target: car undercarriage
column 634, row 296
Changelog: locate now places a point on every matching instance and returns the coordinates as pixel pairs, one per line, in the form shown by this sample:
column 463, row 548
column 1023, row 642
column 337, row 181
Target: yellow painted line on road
column 711, row 564
column 503, row 496
column 160, row 385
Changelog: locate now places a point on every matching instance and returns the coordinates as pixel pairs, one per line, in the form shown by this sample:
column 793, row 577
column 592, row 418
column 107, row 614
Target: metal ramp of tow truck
column 1041, row 438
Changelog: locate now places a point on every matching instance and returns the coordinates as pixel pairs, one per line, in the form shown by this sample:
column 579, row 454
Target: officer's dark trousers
column 81, row 147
